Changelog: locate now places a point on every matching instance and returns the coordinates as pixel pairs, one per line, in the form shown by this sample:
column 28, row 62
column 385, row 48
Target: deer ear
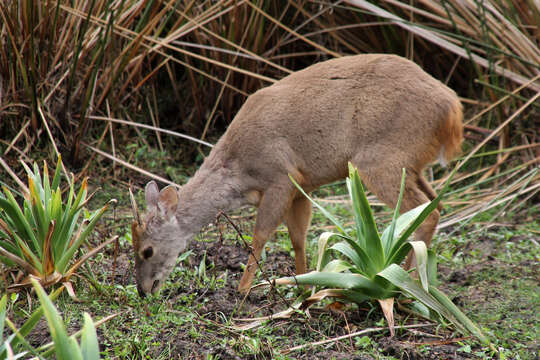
column 168, row 200
column 151, row 193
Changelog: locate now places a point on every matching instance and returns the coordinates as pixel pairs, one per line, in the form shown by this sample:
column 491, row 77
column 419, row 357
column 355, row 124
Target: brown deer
column 380, row 112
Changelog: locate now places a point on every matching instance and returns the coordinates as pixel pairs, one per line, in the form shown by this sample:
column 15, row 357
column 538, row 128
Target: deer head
column 157, row 238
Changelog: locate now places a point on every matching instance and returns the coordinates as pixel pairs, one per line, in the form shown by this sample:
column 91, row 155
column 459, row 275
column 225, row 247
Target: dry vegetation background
column 68, row 68
column 82, row 78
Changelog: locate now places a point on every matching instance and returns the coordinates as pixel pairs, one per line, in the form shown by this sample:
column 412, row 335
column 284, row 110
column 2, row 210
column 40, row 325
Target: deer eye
column 147, row 253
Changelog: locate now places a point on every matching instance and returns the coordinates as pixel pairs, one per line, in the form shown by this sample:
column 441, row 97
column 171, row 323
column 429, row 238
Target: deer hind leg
column 422, row 194
column 428, row 190
column 298, row 219
column 385, row 184
column 273, row 206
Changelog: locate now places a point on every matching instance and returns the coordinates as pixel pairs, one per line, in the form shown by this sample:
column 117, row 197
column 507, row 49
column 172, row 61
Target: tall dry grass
column 67, row 68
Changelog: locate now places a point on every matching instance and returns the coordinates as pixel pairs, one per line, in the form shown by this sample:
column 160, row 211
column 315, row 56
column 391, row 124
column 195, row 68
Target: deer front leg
column 298, row 219
column 272, row 209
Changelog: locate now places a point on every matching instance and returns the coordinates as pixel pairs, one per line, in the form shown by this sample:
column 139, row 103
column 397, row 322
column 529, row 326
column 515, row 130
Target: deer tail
column 451, row 134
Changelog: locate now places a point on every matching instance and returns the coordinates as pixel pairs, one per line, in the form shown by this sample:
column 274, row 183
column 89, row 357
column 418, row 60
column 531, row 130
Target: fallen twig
column 361, row 332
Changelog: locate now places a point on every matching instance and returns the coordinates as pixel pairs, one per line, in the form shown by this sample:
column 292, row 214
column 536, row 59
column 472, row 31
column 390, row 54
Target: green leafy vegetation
column 372, row 266
column 65, row 347
column 43, row 236
column 15, row 344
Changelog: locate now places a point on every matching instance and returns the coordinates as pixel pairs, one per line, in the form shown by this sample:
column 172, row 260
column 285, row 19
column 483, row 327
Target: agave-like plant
column 42, row 237
column 65, row 347
column 15, row 345
column 368, row 268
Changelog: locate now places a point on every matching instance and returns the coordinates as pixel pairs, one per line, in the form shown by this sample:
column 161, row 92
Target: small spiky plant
column 42, row 237
column 367, row 265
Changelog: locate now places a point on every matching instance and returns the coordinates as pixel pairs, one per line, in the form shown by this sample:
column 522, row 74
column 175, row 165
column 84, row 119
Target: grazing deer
column 380, row 112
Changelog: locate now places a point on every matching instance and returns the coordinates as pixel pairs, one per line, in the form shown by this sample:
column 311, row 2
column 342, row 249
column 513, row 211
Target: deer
column 380, row 112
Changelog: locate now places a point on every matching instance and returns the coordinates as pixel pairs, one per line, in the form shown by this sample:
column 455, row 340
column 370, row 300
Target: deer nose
column 141, row 292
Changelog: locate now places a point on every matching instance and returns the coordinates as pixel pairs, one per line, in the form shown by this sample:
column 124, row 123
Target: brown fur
column 380, row 112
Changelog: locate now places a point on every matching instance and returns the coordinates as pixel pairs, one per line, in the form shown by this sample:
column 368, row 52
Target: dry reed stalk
column 445, row 44
column 133, row 44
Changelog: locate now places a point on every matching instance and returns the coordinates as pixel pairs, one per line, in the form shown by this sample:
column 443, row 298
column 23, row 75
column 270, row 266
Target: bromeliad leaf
column 58, row 331
column 337, row 266
column 394, row 241
column 400, row 278
column 356, row 254
column 347, row 281
column 328, row 215
column 388, row 234
column 371, row 269
column 370, row 240
column 322, row 258
column 89, row 343
column 428, row 209
column 420, row 254
column 41, row 237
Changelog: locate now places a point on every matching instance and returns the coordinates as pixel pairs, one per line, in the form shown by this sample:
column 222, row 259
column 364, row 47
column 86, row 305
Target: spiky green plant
column 65, row 347
column 15, row 345
column 42, row 237
column 365, row 265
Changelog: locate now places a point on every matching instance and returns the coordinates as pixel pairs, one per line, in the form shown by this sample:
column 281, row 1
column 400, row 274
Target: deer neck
column 206, row 194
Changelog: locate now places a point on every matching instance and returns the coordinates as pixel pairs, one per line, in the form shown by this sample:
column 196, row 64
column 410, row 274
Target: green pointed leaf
column 399, row 254
column 3, row 304
column 358, row 223
column 10, row 206
column 56, row 178
column 373, row 288
column 322, row 260
column 47, row 194
column 56, row 207
column 420, row 254
column 418, row 220
column 27, row 253
column 402, row 222
column 29, row 171
column 432, row 268
column 9, row 246
column 38, row 211
column 325, row 212
column 68, row 254
column 21, row 341
column 400, row 278
column 388, row 235
column 75, row 352
column 67, row 225
column 426, row 210
column 36, row 175
column 34, row 318
column 356, row 296
column 371, row 240
column 423, row 310
column 356, row 254
column 337, row 266
column 460, row 316
column 67, row 232
column 63, row 346
column 81, row 195
column 89, row 341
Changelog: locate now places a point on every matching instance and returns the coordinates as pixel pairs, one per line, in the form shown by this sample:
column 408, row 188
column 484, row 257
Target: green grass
column 495, row 274
column 490, row 273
